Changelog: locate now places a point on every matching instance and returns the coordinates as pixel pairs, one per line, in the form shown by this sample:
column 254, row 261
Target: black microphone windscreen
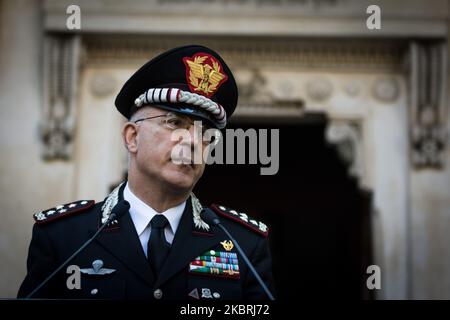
column 209, row 216
column 120, row 209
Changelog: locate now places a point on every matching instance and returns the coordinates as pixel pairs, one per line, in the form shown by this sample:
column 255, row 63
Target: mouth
column 184, row 158
column 187, row 163
column 183, row 162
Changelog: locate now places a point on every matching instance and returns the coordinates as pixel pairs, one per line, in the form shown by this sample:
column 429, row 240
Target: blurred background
column 360, row 99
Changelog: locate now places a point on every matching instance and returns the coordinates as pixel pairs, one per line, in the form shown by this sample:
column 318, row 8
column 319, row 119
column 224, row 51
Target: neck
column 156, row 195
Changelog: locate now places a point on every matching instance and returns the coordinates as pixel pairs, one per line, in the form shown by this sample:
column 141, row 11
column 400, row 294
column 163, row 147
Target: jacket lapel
column 124, row 244
column 122, row 240
column 188, row 244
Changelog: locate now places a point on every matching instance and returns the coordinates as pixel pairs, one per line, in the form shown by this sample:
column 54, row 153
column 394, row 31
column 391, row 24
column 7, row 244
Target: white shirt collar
column 141, row 213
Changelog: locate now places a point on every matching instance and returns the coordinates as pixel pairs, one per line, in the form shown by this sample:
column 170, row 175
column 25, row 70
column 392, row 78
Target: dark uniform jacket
column 202, row 264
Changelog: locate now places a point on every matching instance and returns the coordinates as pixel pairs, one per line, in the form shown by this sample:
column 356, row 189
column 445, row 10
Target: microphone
column 211, row 217
column 117, row 212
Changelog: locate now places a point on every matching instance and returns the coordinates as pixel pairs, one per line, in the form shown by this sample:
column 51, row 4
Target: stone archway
column 319, row 218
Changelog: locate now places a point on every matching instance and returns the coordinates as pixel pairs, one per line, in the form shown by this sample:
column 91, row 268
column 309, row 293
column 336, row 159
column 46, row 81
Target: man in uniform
column 160, row 248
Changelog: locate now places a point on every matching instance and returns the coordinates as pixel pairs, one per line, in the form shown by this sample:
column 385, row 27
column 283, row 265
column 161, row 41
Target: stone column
column 25, row 178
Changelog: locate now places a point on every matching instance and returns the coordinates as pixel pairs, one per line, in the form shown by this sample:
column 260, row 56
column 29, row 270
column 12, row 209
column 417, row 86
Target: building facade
column 384, row 92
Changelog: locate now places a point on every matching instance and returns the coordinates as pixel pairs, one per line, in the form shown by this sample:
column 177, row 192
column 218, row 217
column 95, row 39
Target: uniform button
column 157, row 294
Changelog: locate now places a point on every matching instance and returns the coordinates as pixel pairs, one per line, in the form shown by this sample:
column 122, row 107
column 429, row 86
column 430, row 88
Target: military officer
column 161, row 248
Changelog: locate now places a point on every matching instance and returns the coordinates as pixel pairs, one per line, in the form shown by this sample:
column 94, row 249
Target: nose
column 195, row 132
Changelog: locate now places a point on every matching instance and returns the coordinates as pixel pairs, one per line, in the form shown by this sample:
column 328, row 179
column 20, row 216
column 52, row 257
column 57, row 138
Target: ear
column 129, row 135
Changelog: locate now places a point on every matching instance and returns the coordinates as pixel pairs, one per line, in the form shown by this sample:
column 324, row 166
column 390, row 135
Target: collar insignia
column 196, row 209
column 110, row 203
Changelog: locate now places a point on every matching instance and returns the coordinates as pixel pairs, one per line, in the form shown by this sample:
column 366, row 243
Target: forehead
column 146, row 111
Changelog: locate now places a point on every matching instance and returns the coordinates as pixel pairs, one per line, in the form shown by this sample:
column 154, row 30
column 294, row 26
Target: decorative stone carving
column 319, row 89
column 61, row 61
column 253, row 88
column 255, row 98
column 347, row 137
column 328, row 54
column 286, row 89
column 428, row 99
column 352, row 88
column 102, row 85
column 253, row 55
column 386, row 90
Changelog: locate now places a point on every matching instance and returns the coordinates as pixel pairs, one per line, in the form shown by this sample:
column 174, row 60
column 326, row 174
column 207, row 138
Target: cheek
column 152, row 146
column 200, row 170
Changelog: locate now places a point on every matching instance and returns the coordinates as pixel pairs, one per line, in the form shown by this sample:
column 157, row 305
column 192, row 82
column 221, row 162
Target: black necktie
column 157, row 247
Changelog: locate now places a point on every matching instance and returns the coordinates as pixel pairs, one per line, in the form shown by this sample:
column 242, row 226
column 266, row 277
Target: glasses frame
column 192, row 122
column 153, row 117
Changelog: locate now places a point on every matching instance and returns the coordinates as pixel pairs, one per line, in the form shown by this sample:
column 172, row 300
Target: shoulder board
column 243, row 219
column 62, row 211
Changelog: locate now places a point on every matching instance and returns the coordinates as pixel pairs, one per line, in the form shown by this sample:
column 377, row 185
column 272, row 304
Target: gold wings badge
column 204, row 73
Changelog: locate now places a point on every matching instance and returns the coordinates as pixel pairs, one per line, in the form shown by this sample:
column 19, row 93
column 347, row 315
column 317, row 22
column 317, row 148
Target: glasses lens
column 174, row 121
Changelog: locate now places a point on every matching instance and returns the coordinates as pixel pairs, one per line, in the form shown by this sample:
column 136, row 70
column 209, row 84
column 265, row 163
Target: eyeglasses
column 175, row 121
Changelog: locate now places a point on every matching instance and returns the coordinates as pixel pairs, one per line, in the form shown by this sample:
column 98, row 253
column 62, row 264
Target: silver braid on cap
column 172, row 95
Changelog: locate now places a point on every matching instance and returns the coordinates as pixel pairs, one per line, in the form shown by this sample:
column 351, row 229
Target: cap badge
column 204, row 73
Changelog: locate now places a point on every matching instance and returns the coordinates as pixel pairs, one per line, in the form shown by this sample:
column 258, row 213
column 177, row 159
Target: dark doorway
column 318, row 217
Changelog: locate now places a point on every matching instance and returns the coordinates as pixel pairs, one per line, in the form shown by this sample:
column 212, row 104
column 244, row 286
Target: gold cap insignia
column 204, row 73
